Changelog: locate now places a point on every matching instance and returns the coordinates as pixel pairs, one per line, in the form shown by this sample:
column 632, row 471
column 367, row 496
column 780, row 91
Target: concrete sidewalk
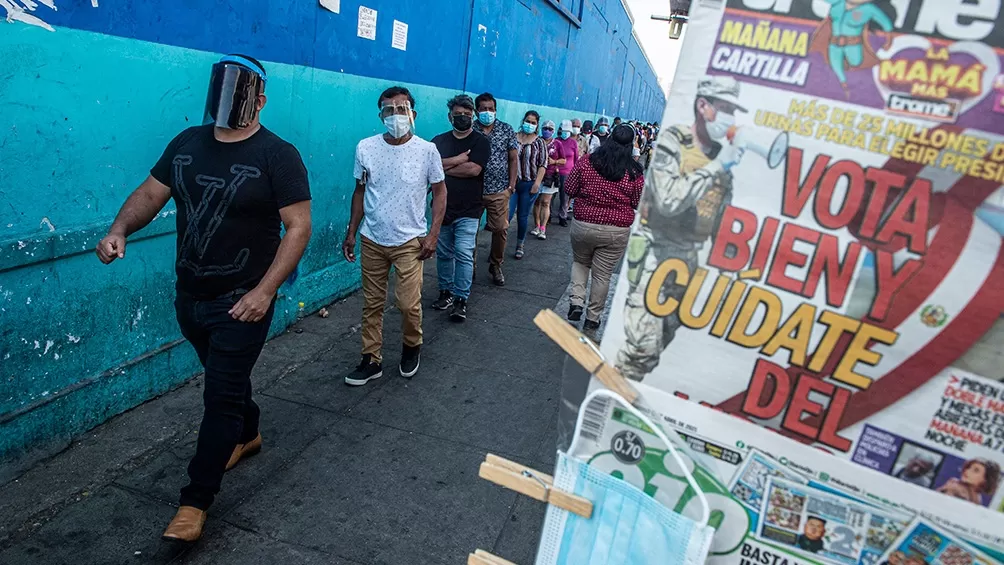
column 385, row 473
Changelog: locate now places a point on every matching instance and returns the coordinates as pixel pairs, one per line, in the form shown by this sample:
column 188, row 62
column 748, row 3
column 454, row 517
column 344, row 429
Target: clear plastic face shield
column 398, row 118
column 234, row 88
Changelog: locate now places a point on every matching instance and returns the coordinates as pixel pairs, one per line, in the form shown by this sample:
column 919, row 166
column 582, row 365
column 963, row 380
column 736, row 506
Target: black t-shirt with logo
column 464, row 195
column 228, row 197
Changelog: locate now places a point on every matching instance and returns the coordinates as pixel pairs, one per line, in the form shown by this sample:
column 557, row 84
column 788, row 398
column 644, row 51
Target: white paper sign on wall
column 367, row 23
column 400, row 40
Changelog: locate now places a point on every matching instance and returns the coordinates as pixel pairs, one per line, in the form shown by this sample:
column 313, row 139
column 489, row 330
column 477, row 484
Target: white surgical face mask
column 719, row 128
column 397, row 125
column 576, row 131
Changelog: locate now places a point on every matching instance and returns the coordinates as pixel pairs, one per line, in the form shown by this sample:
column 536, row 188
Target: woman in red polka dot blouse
column 606, row 186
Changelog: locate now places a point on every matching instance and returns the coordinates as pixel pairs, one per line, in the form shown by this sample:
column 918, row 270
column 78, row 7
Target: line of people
column 237, row 185
column 482, row 166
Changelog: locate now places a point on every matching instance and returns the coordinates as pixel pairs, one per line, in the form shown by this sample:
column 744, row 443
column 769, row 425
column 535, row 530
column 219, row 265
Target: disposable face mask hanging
column 627, row 527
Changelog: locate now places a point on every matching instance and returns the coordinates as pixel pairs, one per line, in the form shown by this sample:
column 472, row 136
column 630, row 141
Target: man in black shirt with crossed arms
column 234, row 182
column 465, row 153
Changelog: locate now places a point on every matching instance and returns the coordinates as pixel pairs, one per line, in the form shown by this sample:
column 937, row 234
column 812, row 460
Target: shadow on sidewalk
column 385, row 473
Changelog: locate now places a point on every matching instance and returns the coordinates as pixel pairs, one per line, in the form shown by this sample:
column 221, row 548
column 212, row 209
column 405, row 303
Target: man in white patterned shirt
column 393, row 172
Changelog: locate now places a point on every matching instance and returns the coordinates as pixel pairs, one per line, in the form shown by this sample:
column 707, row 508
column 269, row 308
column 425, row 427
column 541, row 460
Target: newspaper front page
column 778, row 502
column 818, row 253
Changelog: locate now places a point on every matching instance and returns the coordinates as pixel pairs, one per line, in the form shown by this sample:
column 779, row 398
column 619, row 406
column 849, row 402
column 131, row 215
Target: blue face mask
column 529, row 128
column 627, row 526
column 486, row 118
column 602, row 130
column 565, row 135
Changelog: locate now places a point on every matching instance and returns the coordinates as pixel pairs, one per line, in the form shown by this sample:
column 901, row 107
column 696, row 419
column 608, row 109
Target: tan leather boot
column 244, row 450
column 186, row 525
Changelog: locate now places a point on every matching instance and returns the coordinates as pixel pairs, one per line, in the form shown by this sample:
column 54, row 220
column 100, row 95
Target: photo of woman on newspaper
column 979, row 477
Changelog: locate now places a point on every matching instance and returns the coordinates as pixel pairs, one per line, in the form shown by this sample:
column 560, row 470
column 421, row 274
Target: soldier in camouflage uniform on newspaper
column 687, row 188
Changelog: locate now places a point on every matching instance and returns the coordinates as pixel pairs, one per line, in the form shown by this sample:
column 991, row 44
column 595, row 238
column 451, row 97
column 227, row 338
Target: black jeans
column 228, row 350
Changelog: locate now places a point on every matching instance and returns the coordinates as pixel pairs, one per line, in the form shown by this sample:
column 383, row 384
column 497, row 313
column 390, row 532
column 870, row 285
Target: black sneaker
column 459, row 312
column 575, row 313
column 365, row 372
column 590, row 326
column 444, row 302
column 563, row 223
column 411, row 357
column 497, row 277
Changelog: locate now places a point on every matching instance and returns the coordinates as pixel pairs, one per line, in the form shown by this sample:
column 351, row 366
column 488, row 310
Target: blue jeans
column 455, row 256
column 522, row 202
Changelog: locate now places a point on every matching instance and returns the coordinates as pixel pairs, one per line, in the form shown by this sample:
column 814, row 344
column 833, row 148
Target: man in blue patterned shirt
column 500, row 178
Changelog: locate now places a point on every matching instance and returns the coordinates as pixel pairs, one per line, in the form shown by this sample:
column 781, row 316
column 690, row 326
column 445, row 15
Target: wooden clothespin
column 585, row 352
column 480, row 557
column 536, row 485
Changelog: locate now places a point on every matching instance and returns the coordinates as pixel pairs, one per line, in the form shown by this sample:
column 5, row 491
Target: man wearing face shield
column 393, row 172
column 235, row 184
column 687, row 188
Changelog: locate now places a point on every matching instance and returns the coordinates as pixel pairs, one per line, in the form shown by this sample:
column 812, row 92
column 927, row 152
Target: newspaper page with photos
column 778, row 502
column 818, row 248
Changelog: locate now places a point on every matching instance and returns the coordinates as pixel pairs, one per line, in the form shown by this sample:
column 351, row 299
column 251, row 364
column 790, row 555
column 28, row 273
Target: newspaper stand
column 533, row 483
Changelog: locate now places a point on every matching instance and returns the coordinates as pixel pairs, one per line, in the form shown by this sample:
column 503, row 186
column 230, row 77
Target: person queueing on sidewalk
column 500, row 179
column 549, row 186
column 607, row 187
column 600, row 135
column 586, row 138
column 571, row 154
column 561, row 155
column 393, row 171
column 532, row 165
column 235, row 183
column 465, row 153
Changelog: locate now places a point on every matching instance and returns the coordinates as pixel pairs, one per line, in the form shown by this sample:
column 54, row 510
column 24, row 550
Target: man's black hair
column 395, row 91
column 462, row 100
column 815, row 518
column 485, row 97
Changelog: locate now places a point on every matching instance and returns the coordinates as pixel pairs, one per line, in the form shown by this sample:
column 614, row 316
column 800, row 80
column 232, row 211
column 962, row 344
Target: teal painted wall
column 86, row 115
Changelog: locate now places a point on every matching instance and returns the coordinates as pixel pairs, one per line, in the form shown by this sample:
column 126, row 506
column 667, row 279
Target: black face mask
column 463, row 123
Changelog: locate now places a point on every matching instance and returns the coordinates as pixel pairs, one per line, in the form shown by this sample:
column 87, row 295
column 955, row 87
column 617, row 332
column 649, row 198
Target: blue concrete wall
column 89, row 108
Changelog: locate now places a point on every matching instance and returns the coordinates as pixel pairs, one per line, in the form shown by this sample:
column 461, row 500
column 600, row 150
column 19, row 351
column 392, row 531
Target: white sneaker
column 535, row 231
column 541, row 235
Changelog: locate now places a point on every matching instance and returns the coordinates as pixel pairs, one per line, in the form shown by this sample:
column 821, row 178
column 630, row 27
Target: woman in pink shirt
column 606, row 186
column 562, row 152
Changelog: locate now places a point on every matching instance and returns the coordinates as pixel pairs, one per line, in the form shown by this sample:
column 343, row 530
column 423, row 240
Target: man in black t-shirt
column 234, row 183
column 465, row 153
